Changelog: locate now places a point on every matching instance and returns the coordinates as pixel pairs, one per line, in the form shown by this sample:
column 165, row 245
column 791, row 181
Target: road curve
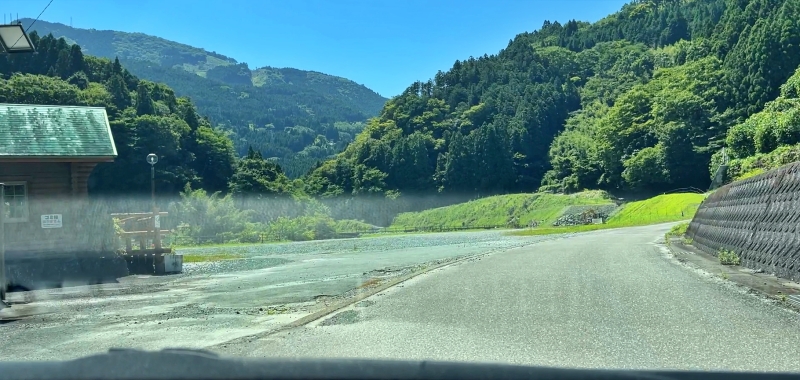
column 606, row 299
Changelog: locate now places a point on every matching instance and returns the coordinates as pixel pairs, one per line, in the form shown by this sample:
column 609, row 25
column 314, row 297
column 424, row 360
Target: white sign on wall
column 51, row 221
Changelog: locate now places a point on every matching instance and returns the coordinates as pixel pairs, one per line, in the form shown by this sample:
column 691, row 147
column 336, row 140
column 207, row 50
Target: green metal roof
column 42, row 131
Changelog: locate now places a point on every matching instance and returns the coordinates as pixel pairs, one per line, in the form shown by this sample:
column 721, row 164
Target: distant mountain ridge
column 281, row 112
column 136, row 46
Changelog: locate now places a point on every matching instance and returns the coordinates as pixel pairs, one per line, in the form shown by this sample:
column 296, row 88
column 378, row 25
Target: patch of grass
column 500, row 210
column 660, row 209
column 223, row 245
column 272, row 310
column 383, row 234
column 728, row 257
column 559, row 230
column 198, row 258
column 678, row 229
column 349, row 225
column 397, row 232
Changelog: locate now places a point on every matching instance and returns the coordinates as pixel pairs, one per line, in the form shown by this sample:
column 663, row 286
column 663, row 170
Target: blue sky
column 383, row 44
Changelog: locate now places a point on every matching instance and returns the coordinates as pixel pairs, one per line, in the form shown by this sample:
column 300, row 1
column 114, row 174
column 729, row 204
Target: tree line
column 636, row 101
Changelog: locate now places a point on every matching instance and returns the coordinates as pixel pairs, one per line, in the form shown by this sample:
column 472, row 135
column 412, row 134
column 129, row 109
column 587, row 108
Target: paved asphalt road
column 213, row 303
column 607, row 299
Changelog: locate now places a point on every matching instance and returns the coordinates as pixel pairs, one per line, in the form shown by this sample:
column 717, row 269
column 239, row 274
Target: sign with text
column 51, row 221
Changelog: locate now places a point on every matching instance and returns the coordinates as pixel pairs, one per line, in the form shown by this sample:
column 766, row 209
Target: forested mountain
column 145, row 118
column 297, row 116
column 639, row 100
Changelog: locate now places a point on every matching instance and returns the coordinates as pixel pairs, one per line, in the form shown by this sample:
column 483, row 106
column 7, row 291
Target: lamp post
column 158, row 258
column 152, row 159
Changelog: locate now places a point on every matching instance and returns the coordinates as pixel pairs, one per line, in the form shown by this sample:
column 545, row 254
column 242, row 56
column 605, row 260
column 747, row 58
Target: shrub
column 728, row 257
column 677, row 230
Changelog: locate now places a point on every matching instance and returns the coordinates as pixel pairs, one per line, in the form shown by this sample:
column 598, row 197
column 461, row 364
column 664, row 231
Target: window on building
column 16, row 202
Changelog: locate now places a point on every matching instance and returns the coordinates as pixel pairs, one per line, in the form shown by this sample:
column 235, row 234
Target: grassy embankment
column 660, row 209
column 499, row 210
column 546, row 208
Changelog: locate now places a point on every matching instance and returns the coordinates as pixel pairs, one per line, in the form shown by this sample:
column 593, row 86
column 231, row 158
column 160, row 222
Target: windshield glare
column 580, row 184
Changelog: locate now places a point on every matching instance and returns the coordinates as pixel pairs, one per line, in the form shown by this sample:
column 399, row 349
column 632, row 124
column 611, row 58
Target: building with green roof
column 46, row 156
column 63, row 133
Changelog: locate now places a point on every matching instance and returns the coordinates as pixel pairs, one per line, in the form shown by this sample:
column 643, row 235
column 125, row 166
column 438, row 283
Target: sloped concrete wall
column 758, row 218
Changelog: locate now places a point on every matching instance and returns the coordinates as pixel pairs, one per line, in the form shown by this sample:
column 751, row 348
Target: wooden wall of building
column 53, row 188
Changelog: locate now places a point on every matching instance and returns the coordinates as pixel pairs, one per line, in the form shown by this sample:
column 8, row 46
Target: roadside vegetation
column 660, row 209
column 514, row 210
column 214, row 220
column 751, row 166
column 678, row 231
column 217, row 256
column 728, row 257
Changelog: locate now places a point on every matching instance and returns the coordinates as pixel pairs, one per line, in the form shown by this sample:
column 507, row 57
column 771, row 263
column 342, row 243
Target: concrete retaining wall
column 758, row 218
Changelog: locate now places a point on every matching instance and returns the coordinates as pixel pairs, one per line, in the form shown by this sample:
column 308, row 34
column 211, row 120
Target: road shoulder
column 785, row 292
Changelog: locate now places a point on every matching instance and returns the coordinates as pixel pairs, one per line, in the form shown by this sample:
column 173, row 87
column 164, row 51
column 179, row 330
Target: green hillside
column 501, row 210
column 637, row 101
column 659, row 209
column 145, row 117
column 767, row 139
column 519, row 210
column 281, row 112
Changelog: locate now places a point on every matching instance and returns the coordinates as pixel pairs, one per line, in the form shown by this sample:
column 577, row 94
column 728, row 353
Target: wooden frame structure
column 143, row 228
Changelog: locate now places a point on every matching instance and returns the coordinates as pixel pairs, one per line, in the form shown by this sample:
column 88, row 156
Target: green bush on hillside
column 742, row 168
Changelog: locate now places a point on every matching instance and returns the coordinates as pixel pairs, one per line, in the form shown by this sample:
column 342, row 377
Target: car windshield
column 574, row 184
